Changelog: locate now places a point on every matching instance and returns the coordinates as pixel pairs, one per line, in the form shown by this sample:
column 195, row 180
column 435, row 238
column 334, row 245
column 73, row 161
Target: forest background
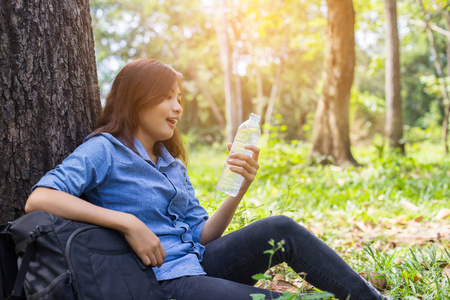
column 354, row 143
column 276, row 45
column 268, row 57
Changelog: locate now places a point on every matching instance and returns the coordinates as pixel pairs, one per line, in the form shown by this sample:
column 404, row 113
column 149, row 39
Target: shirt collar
column 164, row 159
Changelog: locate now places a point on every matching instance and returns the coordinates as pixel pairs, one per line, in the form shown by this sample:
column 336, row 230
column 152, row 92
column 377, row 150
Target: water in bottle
column 247, row 134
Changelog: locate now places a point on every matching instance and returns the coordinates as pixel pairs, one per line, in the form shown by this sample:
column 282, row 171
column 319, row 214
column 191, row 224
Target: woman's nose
column 178, row 108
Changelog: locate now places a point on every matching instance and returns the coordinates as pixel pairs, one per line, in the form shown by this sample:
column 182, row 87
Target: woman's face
column 157, row 123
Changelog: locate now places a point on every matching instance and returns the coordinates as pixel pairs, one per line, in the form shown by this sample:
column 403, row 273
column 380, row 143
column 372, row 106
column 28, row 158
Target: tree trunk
column 49, row 97
column 260, row 103
column 273, row 97
column 227, row 73
column 440, row 75
column 394, row 120
column 237, row 89
column 331, row 140
column 446, row 16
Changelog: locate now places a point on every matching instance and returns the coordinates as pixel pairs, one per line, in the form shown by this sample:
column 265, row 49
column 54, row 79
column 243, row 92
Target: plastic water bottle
column 247, row 134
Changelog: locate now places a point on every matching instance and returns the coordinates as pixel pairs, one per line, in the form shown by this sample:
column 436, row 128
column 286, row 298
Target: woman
column 131, row 171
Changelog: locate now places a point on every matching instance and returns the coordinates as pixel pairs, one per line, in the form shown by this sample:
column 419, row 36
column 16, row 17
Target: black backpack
column 63, row 259
column 8, row 265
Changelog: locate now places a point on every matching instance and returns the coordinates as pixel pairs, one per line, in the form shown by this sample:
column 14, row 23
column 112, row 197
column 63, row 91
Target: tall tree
column 49, row 98
column 331, row 123
column 445, row 12
column 225, row 54
column 394, row 120
column 440, row 75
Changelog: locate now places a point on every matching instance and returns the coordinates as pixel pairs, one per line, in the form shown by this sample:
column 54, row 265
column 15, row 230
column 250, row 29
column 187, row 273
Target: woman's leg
column 210, row 288
column 239, row 255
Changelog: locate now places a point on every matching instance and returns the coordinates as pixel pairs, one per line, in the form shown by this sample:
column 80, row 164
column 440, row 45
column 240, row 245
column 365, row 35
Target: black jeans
column 231, row 260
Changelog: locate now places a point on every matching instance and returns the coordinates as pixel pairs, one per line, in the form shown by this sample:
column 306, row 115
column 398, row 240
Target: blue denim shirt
column 113, row 176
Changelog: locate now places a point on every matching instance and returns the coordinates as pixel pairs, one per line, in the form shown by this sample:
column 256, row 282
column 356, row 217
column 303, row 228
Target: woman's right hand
column 144, row 243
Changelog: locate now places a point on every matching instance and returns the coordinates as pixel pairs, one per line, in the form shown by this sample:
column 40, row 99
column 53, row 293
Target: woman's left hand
column 245, row 165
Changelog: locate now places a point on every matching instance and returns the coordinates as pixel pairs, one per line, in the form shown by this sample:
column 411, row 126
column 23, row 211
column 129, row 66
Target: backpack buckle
column 4, row 229
column 33, row 235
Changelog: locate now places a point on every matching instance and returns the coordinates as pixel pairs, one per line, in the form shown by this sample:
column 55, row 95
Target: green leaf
column 258, row 296
column 261, row 276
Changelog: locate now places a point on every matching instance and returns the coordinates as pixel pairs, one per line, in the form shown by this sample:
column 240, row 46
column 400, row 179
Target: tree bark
column 331, row 140
column 49, row 97
column 225, row 54
column 260, row 102
column 440, row 75
column 446, row 15
column 237, row 89
column 394, row 119
column 273, row 96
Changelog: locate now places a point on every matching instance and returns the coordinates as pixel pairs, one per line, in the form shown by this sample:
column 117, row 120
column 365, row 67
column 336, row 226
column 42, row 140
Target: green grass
column 331, row 200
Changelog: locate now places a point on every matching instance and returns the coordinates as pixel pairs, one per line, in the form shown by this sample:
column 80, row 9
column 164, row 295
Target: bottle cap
column 255, row 116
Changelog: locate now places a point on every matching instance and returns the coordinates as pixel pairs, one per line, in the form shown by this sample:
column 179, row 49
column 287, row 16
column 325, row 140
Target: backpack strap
column 30, row 250
column 4, row 234
column 2, row 292
column 32, row 236
column 18, row 285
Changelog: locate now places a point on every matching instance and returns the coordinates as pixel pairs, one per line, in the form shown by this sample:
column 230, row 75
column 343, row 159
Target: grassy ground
column 388, row 216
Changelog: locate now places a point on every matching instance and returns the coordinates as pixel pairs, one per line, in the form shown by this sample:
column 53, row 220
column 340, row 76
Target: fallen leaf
column 425, row 266
column 399, row 260
column 417, row 278
column 408, row 205
column 278, row 277
column 376, row 279
column 360, row 226
column 418, row 219
column 281, row 285
column 444, row 213
column 442, row 264
column 446, row 271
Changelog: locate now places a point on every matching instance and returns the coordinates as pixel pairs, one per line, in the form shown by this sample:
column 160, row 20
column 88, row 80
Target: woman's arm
column 140, row 238
column 219, row 221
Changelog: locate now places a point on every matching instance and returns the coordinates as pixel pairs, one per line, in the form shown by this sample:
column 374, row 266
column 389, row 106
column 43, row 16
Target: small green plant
column 378, row 144
column 268, row 278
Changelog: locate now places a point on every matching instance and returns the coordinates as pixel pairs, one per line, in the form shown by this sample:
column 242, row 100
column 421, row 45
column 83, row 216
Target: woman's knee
column 281, row 226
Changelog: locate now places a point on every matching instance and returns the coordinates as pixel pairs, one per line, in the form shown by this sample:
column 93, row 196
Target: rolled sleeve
column 82, row 170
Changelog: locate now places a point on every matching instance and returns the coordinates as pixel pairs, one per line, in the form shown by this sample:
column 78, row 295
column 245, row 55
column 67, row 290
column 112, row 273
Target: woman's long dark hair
column 140, row 84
